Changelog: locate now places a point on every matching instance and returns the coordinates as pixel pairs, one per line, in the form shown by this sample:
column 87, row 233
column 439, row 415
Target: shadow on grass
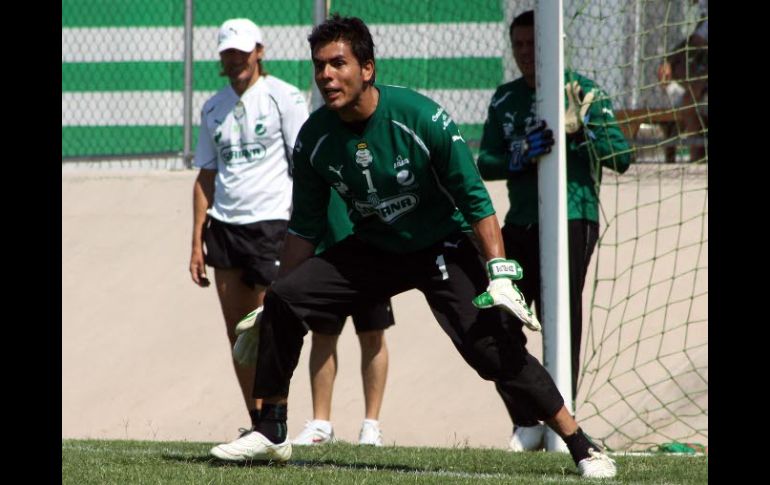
column 320, row 463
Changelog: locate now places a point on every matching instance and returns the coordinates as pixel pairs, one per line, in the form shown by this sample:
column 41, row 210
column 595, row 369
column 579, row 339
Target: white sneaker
column 252, row 445
column 316, row 432
column 598, row 465
column 370, row 433
column 527, row 438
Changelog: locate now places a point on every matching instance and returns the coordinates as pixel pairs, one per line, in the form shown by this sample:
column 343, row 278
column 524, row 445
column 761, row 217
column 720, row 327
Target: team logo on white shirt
column 363, row 155
column 260, row 129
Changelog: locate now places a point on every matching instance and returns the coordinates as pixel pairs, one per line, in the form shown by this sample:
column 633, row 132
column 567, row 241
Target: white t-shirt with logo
column 249, row 142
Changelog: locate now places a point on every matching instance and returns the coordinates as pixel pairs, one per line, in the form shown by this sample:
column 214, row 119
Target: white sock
column 325, row 426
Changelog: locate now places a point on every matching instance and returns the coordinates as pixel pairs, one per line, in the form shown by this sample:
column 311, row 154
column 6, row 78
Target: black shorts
column 255, row 248
column 377, row 315
column 328, row 287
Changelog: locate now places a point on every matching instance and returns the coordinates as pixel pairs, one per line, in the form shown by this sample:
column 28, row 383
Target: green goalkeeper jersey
column 338, row 224
column 512, row 111
column 408, row 180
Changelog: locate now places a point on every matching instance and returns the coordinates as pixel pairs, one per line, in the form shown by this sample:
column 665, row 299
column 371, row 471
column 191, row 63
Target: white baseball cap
column 241, row 34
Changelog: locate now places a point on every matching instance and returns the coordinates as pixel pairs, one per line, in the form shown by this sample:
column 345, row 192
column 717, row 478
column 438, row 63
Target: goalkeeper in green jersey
column 414, row 194
column 511, row 144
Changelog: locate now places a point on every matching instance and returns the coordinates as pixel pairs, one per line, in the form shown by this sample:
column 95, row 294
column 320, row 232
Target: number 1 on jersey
column 369, row 182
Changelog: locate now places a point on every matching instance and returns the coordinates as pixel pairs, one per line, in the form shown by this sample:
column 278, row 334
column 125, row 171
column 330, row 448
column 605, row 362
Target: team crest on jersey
column 373, row 199
column 260, row 129
column 363, row 155
column 218, row 135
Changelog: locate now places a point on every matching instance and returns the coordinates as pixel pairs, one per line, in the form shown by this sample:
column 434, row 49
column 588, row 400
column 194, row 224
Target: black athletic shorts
column 255, row 248
column 367, row 317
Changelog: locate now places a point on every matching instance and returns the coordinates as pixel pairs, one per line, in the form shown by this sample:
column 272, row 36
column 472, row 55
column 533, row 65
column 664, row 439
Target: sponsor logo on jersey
column 400, row 162
column 445, row 118
column 390, row 209
column 234, row 155
column 260, row 129
column 218, row 135
column 363, row 155
column 405, row 177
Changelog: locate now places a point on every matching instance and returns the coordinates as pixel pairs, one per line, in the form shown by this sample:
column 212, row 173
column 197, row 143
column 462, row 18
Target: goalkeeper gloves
column 576, row 115
column 247, row 343
column 537, row 141
column 502, row 292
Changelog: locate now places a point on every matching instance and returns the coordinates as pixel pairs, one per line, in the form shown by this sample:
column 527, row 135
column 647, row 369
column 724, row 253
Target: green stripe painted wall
column 136, row 140
column 154, row 13
column 420, row 43
column 420, row 11
column 457, row 73
column 170, row 13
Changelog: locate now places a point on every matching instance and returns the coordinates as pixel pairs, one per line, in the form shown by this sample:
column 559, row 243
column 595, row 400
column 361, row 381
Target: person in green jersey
column 510, row 146
column 414, row 194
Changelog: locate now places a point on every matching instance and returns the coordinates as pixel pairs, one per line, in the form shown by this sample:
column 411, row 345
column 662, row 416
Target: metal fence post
column 188, row 82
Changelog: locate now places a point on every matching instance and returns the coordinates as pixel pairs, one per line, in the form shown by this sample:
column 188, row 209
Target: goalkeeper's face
column 340, row 78
column 523, row 43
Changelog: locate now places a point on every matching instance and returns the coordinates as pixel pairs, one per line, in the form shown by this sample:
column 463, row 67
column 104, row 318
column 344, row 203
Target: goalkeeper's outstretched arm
column 490, row 238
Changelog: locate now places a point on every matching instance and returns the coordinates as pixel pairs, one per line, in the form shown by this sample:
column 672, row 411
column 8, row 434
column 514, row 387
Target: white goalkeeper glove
column 577, row 109
column 502, row 292
column 247, row 343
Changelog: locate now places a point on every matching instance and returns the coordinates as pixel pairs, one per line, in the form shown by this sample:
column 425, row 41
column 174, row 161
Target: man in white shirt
column 242, row 195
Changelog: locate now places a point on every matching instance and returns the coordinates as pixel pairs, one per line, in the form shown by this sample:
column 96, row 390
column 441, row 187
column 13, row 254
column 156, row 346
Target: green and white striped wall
column 123, row 71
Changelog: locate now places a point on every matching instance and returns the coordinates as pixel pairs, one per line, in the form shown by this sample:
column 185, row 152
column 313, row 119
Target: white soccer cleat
column 316, row 432
column 598, row 465
column 253, row 446
column 527, row 438
column 370, row 433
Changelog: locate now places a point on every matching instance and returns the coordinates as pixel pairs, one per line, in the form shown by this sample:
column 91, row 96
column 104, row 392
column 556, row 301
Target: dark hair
column 525, row 19
column 352, row 30
column 262, row 70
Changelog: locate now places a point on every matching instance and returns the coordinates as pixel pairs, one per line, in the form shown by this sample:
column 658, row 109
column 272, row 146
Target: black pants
column 522, row 243
column 449, row 274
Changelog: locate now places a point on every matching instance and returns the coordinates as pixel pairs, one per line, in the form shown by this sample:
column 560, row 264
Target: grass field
column 147, row 462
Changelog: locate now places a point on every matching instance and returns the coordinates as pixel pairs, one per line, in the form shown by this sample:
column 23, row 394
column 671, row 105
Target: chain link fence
column 123, row 69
